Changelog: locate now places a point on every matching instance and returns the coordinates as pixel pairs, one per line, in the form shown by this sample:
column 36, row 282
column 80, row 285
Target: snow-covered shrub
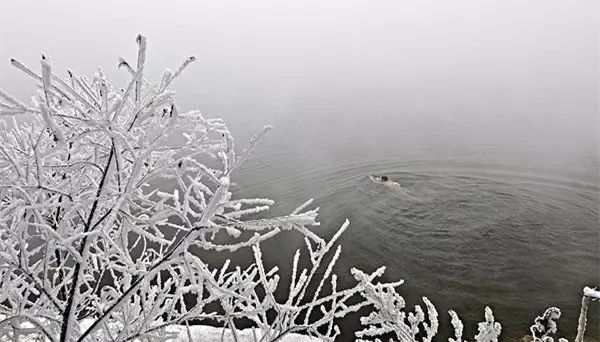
column 105, row 192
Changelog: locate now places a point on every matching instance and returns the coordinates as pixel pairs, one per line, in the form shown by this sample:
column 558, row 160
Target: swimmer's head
column 384, row 178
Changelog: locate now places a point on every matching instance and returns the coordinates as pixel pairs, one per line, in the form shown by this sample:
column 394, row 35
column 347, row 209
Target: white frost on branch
column 591, row 293
column 545, row 325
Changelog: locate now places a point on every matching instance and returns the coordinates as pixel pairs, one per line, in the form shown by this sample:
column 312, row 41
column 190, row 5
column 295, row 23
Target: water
column 480, row 224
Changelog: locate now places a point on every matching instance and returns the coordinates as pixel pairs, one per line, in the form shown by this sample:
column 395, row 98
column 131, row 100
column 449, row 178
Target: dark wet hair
column 384, row 178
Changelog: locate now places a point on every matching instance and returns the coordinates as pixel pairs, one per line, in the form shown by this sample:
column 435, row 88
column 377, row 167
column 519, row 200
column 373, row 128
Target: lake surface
column 483, row 221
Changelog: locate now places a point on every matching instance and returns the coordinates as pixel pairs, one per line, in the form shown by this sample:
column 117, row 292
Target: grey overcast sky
column 518, row 68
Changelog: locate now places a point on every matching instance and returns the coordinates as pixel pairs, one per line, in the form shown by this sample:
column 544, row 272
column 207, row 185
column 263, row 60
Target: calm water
column 481, row 223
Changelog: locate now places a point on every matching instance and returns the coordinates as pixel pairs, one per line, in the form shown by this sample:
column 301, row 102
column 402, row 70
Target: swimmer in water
column 385, row 180
column 380, row 179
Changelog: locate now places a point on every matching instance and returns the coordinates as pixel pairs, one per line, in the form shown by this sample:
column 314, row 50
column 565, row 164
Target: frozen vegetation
column 106, row 191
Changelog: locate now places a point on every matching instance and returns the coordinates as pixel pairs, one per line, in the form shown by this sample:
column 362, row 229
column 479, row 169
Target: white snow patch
column 203, row 333
column 213, row 334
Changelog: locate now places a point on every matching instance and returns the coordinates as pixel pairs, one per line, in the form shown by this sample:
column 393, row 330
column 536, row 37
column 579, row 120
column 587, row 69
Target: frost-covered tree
column 106, row 192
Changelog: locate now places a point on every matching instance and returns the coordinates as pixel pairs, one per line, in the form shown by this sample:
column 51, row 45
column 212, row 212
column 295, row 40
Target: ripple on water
column 465, row 237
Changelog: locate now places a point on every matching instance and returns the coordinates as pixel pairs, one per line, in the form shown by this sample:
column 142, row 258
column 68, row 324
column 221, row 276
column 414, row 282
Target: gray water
column 485, row 111
column 479, row 224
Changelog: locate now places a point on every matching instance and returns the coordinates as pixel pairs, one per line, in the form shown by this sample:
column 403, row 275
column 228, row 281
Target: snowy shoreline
column 205, row 333
column 213, row 334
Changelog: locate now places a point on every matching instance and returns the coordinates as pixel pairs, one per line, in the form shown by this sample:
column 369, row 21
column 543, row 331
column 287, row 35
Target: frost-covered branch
column 589, row 295
column 102, row 193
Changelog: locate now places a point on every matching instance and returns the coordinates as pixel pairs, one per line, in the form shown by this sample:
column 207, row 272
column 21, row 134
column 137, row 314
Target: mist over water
column 487, row 112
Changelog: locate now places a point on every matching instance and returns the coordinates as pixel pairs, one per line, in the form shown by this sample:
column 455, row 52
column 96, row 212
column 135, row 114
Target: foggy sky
column 513, row 70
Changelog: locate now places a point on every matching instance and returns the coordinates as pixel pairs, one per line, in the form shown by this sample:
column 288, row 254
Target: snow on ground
column 213, row 334
column 204, row 333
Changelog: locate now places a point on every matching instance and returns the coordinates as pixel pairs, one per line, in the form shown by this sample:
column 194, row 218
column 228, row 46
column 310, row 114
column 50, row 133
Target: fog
column 512, row 75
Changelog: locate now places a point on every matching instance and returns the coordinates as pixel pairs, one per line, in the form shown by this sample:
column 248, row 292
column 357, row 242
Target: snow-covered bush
column 105, row 192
